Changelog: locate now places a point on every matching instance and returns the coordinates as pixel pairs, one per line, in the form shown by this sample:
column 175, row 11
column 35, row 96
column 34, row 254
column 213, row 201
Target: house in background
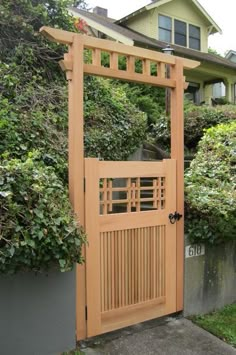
column 186, row 26
column 219, row 88
column 231, row 55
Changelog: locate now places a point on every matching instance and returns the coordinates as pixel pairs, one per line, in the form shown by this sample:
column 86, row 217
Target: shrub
column 199, row 118
column 114, row 127
column 211, row 187
column 196, row 120
column 38, row 229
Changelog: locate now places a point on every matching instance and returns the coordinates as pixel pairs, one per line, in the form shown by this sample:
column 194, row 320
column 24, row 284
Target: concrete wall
column 37, row 313
column 210, row 280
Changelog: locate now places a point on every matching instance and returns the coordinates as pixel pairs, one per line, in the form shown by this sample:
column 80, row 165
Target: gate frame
column 75, row 68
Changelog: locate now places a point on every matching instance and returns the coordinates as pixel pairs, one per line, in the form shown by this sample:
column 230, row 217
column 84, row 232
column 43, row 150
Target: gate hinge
column 86, row 313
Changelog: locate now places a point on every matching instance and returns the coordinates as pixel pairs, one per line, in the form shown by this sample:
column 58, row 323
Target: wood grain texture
column 76, row 169
column 131, row 255
column 93, row 271
column 177, row 152
column 134, row 260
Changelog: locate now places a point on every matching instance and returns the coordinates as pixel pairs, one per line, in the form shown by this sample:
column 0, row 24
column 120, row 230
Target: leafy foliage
column 149, row 99
column 37, row 226
column 196, row 120
column 33, row 116
column 211, row 187
column 199, row 118
column 114, row 127
column 214, row 51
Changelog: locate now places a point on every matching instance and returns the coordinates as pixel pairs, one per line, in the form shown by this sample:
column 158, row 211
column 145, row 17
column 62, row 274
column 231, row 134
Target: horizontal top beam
column 65, row 37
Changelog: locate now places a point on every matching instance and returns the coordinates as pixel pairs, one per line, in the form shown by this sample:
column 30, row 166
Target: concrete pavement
column 166, row 336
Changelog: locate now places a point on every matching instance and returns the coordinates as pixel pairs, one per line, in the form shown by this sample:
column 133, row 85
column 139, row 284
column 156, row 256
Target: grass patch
column 221, row 323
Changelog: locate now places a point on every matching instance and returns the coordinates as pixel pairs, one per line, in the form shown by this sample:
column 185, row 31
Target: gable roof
column 213, row 27
column 230, row 54
column 106, row 26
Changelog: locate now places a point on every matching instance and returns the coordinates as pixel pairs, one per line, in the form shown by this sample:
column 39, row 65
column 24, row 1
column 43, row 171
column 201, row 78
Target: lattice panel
column 132, row 195
column 132, row 267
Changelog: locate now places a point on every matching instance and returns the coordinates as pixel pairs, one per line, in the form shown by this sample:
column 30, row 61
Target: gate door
column 131, row 252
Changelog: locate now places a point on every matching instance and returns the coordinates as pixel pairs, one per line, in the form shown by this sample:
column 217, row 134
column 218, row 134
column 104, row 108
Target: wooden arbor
column 75, row 67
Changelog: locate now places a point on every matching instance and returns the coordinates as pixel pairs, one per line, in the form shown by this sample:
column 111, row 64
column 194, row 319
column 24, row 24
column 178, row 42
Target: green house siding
column 144, row 23
column 147, row 22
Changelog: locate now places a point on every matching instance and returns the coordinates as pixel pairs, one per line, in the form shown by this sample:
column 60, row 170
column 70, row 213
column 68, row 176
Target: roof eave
column 162, row 2
column 104, row 29
column 210, row 19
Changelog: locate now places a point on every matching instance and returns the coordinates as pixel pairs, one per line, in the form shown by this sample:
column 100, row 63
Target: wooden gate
column 131, row 257
column 133, row 267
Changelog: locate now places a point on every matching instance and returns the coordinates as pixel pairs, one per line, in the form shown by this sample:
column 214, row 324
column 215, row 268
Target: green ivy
column 37, row 225
column 199, row 118
column 38, row 229
column 114, row 127
column 211, row 187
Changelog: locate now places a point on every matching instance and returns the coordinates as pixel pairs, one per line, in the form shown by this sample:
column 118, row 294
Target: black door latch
column 173, row 217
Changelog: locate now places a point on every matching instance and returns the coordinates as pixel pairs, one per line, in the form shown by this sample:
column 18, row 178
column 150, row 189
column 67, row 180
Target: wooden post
column 177, row 152
column 76, row 167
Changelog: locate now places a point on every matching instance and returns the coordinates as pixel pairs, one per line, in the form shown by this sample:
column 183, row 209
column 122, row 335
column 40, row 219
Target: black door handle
column 173, row 217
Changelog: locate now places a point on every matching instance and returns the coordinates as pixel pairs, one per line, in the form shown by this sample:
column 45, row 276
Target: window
column 180, row 33
column 194, row 37
column 165, row 28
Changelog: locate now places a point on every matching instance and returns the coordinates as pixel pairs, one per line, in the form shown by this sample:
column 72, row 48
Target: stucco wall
column 37, row 313
column 210, row 279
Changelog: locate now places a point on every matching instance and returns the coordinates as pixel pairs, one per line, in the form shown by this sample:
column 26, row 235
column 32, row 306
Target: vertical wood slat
column 102, row 272
column 127, row 267
column 139, row 266
column 96, row 57
column 145, row 264
column 110, row 195
column 133, row 265
column 92, row 249
column 146, row 67
column 137, row 197
column 112, row 271
column 130, row 64
column 161, row 70
column 114, row 60
column 108, row 271
column 177, row 152
column 123, row 269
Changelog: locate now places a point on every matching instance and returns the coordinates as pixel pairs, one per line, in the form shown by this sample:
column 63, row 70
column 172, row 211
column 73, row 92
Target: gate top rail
column 154, row 67
column 66, row 37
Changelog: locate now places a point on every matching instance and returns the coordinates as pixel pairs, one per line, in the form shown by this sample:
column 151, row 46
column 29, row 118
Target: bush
column 196, row 120
column 38, row 229
column 34, row 116
column 211, row 187
column 114, row 127
column 199, row 118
